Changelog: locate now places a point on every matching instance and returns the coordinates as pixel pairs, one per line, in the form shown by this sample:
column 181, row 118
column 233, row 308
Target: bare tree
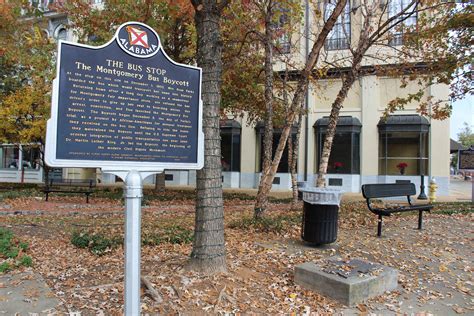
column 294, row 109
column 268, row 42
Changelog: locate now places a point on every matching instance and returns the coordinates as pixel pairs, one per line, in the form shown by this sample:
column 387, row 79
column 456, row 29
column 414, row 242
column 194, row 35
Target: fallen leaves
column 260, row 264
column 442, row 268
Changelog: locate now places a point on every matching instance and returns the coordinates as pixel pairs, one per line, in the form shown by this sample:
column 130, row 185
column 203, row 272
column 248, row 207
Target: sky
column 463, row 111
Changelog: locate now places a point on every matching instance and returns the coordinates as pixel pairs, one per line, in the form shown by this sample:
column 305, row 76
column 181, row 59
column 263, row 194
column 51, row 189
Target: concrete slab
column 350, row 282
column 26, row 293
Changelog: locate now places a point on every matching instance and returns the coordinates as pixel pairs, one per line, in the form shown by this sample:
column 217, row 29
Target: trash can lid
column 323, row 196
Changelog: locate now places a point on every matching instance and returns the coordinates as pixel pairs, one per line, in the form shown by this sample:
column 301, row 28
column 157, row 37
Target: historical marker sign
column 124, row 104
column 466, row 158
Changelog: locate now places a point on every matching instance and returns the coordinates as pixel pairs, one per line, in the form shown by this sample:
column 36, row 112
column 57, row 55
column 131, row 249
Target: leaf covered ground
column 435, row 264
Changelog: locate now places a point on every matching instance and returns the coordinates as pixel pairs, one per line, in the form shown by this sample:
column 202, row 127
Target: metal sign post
column 127, row 108
column 133, row 193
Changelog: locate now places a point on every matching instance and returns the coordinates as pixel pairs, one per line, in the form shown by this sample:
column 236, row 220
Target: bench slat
column 371, row 191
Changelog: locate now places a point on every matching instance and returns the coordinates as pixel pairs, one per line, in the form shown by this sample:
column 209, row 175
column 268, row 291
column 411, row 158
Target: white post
column 472, row 184
column 133, row 194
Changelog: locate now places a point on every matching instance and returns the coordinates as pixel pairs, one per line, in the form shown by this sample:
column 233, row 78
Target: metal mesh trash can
column 320, row 215
column 301, row 185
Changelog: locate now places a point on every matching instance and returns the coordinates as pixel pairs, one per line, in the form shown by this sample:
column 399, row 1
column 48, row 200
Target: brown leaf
column 459, row 310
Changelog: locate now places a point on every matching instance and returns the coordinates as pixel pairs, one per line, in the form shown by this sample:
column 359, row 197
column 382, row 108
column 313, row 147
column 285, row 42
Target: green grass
column 5, row 267
column 12, row 252
column 103, row 241
column 172, row 234
column 98, row 243
column 238, row 196
column 19, row 193
column 451, row 208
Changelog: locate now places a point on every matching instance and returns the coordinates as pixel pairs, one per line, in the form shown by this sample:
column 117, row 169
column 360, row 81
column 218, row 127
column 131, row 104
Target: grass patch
column 98, row 244
column 170, row 195
column 12, row 252
column 172, row 234
column 238, row 196
column 451, row 208
column 150, row 195
column 18, row 193
column 112, row 193
column 286, row 200
column 275, row 224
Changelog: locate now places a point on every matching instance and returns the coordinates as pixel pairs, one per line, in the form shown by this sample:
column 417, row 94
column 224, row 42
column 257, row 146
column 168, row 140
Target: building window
column 283, row 41
column 230, row 145
column 403, row 145
column 9, row 156
column 61, row 34
column 340, row 35
column 394, row 8
column 42, row 5
column 345, row 151
column 30, row 157
column 408, row 149
column 283, row 166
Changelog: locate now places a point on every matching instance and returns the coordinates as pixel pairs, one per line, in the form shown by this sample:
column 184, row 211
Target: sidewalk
column 26, row 294
column 460, row 189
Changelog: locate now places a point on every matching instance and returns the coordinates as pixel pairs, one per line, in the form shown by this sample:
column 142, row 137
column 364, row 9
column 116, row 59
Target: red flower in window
column 338, row 165
column 402, row 165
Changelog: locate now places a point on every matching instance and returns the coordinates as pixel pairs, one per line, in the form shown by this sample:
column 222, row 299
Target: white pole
column 133, row 194
column 472, row 184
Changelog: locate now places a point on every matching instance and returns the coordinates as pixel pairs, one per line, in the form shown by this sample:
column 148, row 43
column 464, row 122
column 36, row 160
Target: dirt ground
column 435, row 263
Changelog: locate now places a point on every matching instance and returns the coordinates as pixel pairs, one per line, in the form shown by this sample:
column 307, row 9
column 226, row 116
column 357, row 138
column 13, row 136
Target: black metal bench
column 78, row 186
column 377, row 191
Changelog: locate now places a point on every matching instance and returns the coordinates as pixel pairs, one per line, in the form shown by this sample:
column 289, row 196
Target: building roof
column 344, row 124
column 404, row 123
column 229, row 124
column 343, row 121
column 454, row 146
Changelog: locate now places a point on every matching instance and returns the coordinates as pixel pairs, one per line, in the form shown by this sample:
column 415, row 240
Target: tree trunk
column 290, row 165
column 208, row 254
column 296, row 104
column 262, row 199
column 294, row 153
column 293, row 145
column 44, row 165
column 160, row 182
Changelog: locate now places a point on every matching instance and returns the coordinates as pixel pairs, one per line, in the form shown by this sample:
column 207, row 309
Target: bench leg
column 87, row 198
column 46, row 196
column 420, row 219
column 379, row 227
